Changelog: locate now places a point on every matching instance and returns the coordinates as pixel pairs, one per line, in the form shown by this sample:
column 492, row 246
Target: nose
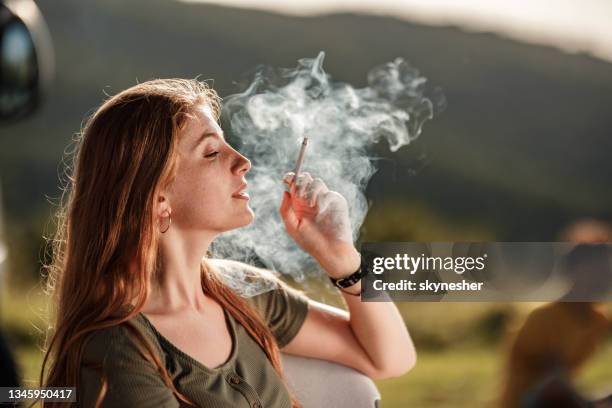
column 242, row 164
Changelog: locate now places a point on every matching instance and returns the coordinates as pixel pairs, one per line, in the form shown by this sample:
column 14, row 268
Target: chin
column 245, row 218
column 249, row 217
column 236, row 219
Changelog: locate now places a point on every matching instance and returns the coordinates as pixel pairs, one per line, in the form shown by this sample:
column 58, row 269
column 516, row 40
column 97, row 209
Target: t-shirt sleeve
column 131, row 379
column 284, row 309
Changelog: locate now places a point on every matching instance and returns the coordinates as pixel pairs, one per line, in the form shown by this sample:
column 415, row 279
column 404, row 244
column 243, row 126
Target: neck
column 177, row 286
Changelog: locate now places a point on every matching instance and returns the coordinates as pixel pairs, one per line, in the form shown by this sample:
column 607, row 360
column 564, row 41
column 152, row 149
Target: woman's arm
column 372, row 337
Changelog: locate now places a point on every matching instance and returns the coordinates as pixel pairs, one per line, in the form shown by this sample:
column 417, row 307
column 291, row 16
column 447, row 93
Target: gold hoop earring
column 163, row 230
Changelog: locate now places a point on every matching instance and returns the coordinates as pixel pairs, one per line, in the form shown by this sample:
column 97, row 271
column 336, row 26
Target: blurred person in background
column 143, row 317
column 557, row 339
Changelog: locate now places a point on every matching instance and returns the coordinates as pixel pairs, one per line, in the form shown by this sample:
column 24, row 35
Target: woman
column 142, row 318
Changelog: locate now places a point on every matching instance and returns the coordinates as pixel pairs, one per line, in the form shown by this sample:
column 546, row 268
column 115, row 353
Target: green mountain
column 523, row 144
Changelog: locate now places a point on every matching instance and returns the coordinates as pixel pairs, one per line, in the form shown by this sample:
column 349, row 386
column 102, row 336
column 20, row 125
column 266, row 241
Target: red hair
column 105, row 249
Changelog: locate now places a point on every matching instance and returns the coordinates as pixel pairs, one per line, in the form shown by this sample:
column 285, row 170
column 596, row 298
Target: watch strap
column 352, row 279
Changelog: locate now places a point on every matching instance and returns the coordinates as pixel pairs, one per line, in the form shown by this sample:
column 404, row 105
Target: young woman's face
column 208, row 192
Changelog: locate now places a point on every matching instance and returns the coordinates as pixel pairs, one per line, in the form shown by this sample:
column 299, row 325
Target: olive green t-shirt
column 246, row 380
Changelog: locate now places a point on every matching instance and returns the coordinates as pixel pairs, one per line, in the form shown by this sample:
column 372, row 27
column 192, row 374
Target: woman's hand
column 318, row 220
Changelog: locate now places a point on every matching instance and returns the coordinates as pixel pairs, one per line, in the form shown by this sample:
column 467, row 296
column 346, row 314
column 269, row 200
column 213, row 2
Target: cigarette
column 300, row 159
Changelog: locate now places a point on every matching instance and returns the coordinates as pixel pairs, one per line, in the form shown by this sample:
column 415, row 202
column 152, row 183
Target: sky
column 571, row 25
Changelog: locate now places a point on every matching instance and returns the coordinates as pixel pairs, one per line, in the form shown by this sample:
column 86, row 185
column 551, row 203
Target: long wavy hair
column 105, row 248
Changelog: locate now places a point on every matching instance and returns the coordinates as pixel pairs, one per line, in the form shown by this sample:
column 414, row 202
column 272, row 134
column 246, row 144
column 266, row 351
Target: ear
column 162, row 206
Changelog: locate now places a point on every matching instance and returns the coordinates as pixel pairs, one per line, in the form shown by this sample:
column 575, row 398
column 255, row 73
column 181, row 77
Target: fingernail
column 288, row 178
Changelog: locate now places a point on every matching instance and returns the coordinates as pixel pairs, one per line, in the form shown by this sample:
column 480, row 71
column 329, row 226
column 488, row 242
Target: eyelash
column 212, row 155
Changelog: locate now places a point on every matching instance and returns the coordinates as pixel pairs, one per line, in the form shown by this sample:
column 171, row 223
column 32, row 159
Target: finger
column 324, row 200
column 316, row 187
column 309, row 191
column 330, row 200
column 295, row 182
column 288, row 178
column 287, row 213
column 303, row 181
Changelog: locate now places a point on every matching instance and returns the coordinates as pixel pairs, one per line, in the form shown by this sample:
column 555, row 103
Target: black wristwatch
column 353, row 278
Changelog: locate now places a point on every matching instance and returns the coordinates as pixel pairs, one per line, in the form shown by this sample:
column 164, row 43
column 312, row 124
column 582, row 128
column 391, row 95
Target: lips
column 241, row 193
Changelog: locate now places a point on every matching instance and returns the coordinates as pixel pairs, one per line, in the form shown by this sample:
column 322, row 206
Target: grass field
column 460, row 351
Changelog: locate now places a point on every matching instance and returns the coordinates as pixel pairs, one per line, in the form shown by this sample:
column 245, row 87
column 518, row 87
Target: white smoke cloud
column 271, row 117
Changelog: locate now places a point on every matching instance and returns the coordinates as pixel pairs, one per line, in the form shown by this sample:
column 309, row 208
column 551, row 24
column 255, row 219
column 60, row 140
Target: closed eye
column 211, row 155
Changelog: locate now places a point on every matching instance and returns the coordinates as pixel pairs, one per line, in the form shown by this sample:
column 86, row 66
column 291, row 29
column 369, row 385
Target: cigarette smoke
column 270, row 118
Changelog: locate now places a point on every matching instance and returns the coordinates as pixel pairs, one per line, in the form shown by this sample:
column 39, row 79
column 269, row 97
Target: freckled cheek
column 211, row 196
column 202, row 190
column 197, row 206
column 192, row 180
